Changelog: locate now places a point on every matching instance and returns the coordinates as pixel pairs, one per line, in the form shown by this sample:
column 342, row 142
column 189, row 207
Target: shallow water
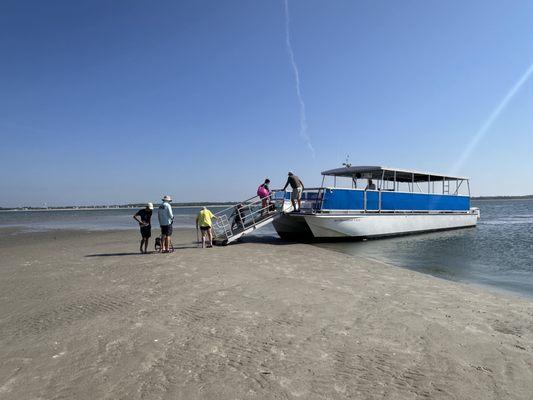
column 498, row 252
column 108, row 219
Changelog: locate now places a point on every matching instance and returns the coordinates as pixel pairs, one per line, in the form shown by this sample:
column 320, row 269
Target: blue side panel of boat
column 339, row 199
column 279, row 195
column 423, row 202
column 372, row 201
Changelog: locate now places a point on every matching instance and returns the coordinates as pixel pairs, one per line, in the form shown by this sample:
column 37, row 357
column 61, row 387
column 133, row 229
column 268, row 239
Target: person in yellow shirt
column 203, row 220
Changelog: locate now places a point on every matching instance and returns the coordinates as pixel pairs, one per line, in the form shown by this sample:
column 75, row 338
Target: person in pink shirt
column 263, row 191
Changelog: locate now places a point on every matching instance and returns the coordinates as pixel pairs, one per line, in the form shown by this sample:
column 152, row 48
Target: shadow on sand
column 193, row 246
column 137, row 253
column 248, row 239
column 116, row 254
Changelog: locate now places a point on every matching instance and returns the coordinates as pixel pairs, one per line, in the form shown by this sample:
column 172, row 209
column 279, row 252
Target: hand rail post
column 241, row 219
column 252, row 214
column 319, row 199
column 228, row 225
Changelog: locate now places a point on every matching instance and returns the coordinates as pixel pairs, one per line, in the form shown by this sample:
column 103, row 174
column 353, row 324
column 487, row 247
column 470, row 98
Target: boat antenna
column 347, row 164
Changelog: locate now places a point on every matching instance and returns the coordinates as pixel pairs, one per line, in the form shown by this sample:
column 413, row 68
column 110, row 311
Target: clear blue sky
column 123, row 101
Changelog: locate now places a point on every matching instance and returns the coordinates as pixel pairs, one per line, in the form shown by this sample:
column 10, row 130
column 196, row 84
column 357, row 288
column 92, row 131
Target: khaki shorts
column 296, row 193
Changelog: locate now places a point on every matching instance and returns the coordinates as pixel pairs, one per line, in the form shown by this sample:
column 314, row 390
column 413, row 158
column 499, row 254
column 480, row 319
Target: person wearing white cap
column 144, row 217
column 166, row 217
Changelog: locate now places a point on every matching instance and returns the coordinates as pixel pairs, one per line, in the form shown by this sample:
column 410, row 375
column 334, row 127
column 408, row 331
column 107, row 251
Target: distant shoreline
column 528, row 197
column 208, row 204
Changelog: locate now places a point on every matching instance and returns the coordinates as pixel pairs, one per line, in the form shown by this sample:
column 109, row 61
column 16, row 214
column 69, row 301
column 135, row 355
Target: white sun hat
column 150, row 206
column 167, row 198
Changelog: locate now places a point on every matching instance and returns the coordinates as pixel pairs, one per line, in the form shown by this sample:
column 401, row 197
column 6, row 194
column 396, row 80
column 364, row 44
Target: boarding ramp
column 234, row 222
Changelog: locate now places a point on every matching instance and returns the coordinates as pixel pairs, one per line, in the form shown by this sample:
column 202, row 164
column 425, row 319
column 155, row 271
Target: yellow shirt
column 204, row 218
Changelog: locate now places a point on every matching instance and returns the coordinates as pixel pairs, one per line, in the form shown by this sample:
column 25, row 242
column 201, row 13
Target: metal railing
column 246, row 214
column 312, row 199
column 253, row 211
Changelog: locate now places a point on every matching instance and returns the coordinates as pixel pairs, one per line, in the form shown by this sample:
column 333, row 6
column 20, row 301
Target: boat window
column 344, row 182
column 431, row 185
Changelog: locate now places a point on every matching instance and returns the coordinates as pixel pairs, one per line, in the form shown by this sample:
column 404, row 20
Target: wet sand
column 84, row 316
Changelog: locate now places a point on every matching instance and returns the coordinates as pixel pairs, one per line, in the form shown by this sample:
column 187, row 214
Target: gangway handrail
column 252, row 214
column 249, row 200
column 252, row 207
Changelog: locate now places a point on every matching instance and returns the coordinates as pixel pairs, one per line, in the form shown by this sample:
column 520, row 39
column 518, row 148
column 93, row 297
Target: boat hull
column 368, row 225
column 293, row 227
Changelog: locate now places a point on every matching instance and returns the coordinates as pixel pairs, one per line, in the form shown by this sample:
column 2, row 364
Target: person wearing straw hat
column 144, row 217
column 166, row 217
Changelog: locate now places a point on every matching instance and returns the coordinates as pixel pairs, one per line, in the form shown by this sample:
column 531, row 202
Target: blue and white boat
column 397, row 202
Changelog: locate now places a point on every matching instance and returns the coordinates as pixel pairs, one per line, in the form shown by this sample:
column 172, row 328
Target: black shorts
column 205, row 228
column 146, row 231
column 166, row 230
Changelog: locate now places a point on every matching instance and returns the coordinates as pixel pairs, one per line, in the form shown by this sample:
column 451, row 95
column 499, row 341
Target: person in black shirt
column 240, row 219
column 143, row 217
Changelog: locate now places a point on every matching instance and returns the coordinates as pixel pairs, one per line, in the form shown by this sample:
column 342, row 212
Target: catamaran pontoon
column 401, row 202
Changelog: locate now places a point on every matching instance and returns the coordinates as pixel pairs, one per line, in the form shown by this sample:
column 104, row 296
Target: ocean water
column 497, row 253
column 107, row 219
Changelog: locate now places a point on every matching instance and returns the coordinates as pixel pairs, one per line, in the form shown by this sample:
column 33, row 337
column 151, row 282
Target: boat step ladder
column 234, row 222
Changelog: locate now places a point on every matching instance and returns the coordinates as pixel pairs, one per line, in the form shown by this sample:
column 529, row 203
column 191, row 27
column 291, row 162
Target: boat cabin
column 385, row 190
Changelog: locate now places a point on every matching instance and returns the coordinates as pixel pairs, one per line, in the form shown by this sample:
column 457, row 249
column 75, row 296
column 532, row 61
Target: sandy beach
column 84, row 316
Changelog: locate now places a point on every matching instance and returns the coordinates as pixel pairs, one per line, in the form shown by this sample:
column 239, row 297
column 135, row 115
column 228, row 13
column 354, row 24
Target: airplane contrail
column 480, row 134
column 303, row 117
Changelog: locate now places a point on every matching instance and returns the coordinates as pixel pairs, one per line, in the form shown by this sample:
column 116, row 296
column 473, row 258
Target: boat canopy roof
column 389, row 174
